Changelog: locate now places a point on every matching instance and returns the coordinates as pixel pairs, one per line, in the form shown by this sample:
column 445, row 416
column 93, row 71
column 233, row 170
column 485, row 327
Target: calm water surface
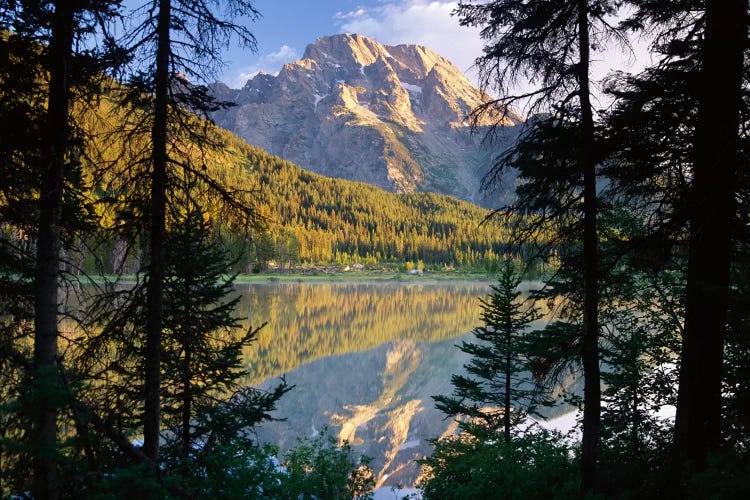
column 309, row 321
column 365, row 359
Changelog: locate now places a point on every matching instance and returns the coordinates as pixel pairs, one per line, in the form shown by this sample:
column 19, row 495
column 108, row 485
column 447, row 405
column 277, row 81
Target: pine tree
column 550, row 43
column 488, row 459
column 639, row 381
column 712, row 212
column 679, row 154
column 497, row 391
column 204, row 401
column 42, row 40
column 174, row 41
column 46, row 300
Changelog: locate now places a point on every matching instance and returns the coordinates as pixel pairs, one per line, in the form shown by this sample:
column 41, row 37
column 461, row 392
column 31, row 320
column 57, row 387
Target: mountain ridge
column 392, row 116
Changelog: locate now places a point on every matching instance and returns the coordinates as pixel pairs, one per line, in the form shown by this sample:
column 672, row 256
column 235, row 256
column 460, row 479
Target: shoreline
column 364, row 277
column 392, row 277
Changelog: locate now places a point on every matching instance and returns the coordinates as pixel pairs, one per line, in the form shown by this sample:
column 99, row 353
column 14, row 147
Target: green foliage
column 16, row 314
column 640, row 379
column 333, row 220
column 647, row 202
column 725, row 477
column 207, row 408
column 264, row 250
column 736, row 389
column 498, row 390
column 309, row 219
column 204, row 404
column 133, row 481
column 535, row 465
column 317, row 468
column 482, row 461
column 236, row 470
column 201, row 343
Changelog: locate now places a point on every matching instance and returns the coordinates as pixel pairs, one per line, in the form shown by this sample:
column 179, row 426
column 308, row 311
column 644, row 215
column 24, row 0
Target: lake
column 365, row 359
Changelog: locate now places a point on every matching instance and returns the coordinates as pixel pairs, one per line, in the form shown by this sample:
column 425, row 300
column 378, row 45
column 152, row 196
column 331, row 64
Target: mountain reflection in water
column 307, row 321
column 365, row 358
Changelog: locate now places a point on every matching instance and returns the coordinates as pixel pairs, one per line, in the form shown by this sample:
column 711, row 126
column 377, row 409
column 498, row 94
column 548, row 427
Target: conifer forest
column 617, row 270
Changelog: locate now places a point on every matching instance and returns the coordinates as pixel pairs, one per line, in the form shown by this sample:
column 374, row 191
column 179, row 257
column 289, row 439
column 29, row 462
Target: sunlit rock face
column 393, row 116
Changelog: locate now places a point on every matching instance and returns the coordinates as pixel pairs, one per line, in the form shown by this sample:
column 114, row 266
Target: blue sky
column 287, row 26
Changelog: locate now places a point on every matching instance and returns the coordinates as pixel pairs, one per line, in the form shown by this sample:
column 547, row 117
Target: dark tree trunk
column 506, row 414
column 187, row 402
column 48, row 254
column 697, row 425
column 635, row 421
column 590, row 346
column 155, row 286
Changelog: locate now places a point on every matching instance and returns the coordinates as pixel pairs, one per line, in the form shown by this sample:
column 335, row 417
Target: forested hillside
column 316, row 219
column 307, row 219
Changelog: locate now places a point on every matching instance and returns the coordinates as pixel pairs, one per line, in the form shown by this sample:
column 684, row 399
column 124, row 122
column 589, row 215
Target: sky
column 286, row 27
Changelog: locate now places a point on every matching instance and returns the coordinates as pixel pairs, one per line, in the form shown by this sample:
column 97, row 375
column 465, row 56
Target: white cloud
column 348, row 15
column 284, row 54
column 422, row 22
column 267, row 63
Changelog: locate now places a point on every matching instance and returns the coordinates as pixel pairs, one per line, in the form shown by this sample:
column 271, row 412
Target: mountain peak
column 361, row 110
column 345, row 48
column 363, row 50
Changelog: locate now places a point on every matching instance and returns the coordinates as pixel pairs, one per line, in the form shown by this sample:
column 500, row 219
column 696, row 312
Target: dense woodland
column 303, row 219
column 330, row 220
column 647, row 203
column 637, row 214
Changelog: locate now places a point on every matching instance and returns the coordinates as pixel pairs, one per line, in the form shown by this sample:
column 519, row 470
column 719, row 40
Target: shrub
column 535, row 465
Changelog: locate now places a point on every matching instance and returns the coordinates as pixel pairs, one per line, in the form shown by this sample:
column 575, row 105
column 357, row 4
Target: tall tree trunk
column 506, row 410
column 697, row 425
column 155, row 286
column 590, row 347
column 187, row 401
column 635, row 393
column 48, row 255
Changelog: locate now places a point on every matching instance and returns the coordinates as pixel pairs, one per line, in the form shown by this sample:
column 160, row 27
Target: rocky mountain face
column 392, row 116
